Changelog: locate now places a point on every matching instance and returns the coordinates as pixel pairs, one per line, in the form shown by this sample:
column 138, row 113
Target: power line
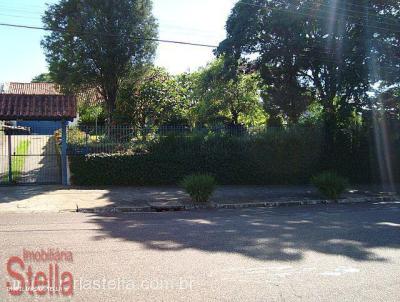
column 347, row 9
column 241, row 2
column 188, row 43
column 162, row 26
column 111, row 35
column 319, row 17
column 355, row 12
column 350, row 4
column 350, row 12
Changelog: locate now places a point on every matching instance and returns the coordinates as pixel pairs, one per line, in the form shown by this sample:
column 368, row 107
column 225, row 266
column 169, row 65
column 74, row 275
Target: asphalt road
column 322, row 253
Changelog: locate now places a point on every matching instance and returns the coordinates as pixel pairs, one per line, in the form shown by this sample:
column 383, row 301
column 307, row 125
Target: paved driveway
column 41, row 161
column 325, row 253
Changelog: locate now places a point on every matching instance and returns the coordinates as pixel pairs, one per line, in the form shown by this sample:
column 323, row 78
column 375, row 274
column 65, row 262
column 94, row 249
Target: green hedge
column 274, row 157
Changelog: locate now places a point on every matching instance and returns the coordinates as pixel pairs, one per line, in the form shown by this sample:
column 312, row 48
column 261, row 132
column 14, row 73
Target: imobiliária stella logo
column 40, row 273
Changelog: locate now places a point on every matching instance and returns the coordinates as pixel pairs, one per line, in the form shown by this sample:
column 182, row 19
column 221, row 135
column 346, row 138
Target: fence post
column 86, row 141
column 10, row 177
column 64, row 168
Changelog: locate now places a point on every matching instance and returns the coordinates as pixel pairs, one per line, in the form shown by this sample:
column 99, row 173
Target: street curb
column 267, row 204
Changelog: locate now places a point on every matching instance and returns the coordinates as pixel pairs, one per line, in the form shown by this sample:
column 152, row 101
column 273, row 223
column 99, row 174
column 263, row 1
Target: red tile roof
column 37, row 107
column 32, row 88
column 90, row 96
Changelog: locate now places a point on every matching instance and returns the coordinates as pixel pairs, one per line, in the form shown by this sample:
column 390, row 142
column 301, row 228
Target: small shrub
column 330, row 184
column 76, row 136
column 199, row 186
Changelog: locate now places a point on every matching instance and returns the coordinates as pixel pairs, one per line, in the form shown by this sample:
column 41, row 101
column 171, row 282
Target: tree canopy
column 218, row 98
column 43, row 78
column 334, row 50
column 152, row 99
column 96, row 43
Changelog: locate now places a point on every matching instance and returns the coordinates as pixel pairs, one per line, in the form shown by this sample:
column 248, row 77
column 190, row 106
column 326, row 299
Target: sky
column 199, row 21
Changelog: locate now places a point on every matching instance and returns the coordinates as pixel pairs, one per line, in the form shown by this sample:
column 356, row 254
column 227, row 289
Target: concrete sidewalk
column 29, row 199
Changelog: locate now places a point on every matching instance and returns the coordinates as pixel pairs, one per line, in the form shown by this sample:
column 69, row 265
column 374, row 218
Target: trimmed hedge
column 274, row 157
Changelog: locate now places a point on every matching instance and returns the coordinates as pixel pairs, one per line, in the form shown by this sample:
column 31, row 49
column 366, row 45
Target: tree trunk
column 111, row 97
column 235, row 117
column 110, row 107
column 109, row 92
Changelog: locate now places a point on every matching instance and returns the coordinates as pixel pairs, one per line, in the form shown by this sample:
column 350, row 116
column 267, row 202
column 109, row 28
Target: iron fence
column 121, row 139
column 27, row 157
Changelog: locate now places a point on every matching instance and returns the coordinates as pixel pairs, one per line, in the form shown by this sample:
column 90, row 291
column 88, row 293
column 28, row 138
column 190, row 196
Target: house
column 37, row 108
column 40, row 108
column 37, row 89
column 90, row 96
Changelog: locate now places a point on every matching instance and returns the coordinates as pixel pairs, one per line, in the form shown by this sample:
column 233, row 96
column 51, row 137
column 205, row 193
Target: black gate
column 29, row 156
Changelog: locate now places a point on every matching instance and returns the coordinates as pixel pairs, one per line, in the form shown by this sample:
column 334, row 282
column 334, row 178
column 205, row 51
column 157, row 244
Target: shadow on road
column 284, row 234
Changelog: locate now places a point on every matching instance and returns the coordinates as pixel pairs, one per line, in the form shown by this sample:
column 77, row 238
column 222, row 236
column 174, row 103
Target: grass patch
column 18, row 160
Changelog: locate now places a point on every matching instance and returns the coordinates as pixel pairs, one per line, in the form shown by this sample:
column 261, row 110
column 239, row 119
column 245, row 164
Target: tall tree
column 153, row 99
column 285, row 99
column 335, row 49
column 96, row 43
column 221, row 98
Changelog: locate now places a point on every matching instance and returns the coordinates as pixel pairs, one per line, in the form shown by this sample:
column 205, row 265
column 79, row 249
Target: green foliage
column 200, row 187
column 330, row 184
column 96, row 43
column 43, row 78
column 151, row 99
column 332, row 52
column 220, row 99
column 90, row 114
column 313, row 116
column 271, row 157
column 388, row 103
column 18, row 160
column 285, row 99
column 75, row 136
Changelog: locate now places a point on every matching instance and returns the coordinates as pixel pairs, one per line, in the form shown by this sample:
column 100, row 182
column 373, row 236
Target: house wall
column 41, row 127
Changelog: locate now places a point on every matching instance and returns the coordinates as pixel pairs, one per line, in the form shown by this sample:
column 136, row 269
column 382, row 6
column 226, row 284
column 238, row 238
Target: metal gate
column 29, row 156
